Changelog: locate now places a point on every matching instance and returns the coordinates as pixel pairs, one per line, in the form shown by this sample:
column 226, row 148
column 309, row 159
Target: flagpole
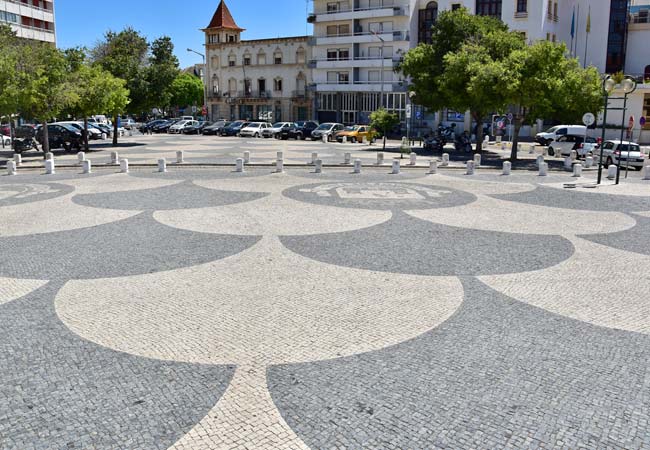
column 577, row 29
column 584, row 64
column 573, row 29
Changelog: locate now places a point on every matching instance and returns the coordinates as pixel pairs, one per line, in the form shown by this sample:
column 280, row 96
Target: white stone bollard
column 543, row 169
column 318, row 166
column 486, row 140
column 324, row 138
column 87, row 166
column 357, row 166
column 589, row 161
column 180, row 157
column 568, row 162
column 279, row 165
column 364, row 140
column 433, row 167
column 279, row 155
column 347, row 158
column 413, row 159
column 124, row 166
column 345, row 139
column 162, row 165
column 247, row 157
column 50, row 168
column 314, row 157
column 49, row 156
column 81, row 157
column 445, row 159
column 507, row 167
column 239, row 165
column 646, row 173
column 11, row 167
column 396, row 166
column 470, row 168
column 380, row 158
column 477, row 160
column 531, row 149
column 539, row 161
column 115, row 158
column 574, row 155
column 612, row 170
column 577, row 170
column 18, row 159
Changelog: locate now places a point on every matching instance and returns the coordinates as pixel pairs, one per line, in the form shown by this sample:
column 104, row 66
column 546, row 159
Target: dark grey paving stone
column 179, row 196
column 58, row 391
column 21, row 192
column 581, row 199
column 636, row 239
column 517, row 176
column 497, row 374
column 211, row 173
column 405, row 244
column 368, row 174
column 136, row 245
column 379, row 195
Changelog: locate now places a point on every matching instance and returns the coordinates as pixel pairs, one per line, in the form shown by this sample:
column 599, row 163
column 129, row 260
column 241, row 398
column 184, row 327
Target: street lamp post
column 205, row 82
column 629, row 85
column 608, row 86
column 383, row 42
column 409, row 120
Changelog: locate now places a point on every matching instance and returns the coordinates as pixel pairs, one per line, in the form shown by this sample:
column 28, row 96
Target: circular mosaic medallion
column 19, row 193
column 384, row 196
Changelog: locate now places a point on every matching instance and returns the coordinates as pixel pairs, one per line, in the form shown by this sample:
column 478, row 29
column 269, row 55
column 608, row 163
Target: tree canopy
column 186, row 90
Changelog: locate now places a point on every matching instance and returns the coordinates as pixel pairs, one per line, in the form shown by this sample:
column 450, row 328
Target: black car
column 61, row 136
column 148, row 127
column 196, row 129
column 234, row 128
column 302, row 130
column 215, row 128
column 164, row 127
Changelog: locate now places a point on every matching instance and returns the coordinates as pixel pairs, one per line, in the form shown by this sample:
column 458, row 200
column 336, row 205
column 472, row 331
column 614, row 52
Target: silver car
column 623, row 153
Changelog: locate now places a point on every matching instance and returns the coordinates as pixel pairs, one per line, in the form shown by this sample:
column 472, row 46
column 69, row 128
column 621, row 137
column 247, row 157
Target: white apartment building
column 30, row 19
column 262, row 79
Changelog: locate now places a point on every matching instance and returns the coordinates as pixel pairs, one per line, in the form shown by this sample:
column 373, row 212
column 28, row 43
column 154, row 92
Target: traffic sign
column 588, row 119
column 510, row 117
column 408, row 111
column 193, row 109
column 642, row 121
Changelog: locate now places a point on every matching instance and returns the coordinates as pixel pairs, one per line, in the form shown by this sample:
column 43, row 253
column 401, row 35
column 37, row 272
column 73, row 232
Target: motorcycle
column 24, row 144
column 463, row 143
column 433, row 143
column 446, row 134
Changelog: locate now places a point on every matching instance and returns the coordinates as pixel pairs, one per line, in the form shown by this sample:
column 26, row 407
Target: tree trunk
column 86, row 147
column 479, row 132
column 46, row 139
column 384, row 142
column 12, row 132
column 115, row 130
column 515, row 138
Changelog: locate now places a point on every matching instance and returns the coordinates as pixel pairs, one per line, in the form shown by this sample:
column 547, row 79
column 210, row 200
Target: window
column 8, row 17
column 338, row 30
column 427, row 18
column 232, row 60
column 277, row 85
column 231, row 38
column 232, row 86
column 522, row 6
column 338, row 54
column 374, row 75
column 455, row 6
column 616, row 41
column 646, row 75
column 338, row 77
column 215, row 84
column 213, row 38
column 489, row 8
column 248, row 89
column 300, row 56
column 261, row 86
column 247, row 60
column 261, row 59
column 277, row 57
column 646, row 111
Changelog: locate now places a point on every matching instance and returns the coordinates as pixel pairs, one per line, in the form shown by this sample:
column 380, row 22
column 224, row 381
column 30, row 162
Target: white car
column 552, row 134
column 93, row 133
column 566, row 144
column 275, row 129
column 128, row 124
column 6, row 140
column 254, row 129
column 623, row 153
column 178, row 127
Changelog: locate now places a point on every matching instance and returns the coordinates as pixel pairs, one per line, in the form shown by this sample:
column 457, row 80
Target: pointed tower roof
column 223, row 19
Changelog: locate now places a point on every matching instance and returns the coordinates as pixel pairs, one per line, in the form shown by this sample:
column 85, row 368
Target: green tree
column 541, row 81
column 8, row 75
column 95, row 91
column 163, row 69
column 124, row 55
column 449, row 73
column 186, row 90
column 383, row 121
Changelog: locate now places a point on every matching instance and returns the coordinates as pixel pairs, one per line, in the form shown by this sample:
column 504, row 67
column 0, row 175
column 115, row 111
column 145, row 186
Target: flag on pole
column 573, row 23
column 589, row 20
column 544, row 13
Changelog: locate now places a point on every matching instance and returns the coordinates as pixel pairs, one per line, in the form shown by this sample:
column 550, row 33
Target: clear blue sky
column 82, row 23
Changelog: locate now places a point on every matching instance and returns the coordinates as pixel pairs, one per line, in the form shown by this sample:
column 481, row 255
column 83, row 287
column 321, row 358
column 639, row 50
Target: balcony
column 357, row 61
column 361, row 86
column 324, row 15
column 299, row 95
column 363, row 37
column 253, row 94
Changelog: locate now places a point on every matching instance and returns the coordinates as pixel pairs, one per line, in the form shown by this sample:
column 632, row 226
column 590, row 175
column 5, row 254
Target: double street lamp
column 205, row 81
column 628, row 85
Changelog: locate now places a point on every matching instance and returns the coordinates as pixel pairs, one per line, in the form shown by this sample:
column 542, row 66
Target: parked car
column 356, row 133
column 61, row 135
column 5, row 130
column 215, row 128
column 566, row 144
column 93, row 133
column 623, row 153
column 178, row 127
column 108, row 131
column 164, row 127
column 328, row 129
column 234, row 128
column 254, row 129
column 552, row 134
column 6, row 140
column 148, row 127
column 196, row 128
column 275, row 129
column 128, row 124
column 304, row 128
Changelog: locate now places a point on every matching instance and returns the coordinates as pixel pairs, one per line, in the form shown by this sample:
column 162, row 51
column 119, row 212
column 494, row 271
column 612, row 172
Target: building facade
column 262, row 79
column 30, row 19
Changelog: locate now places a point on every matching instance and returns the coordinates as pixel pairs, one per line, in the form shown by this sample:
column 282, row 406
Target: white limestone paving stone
column 263, row 306
column 598, row 284
column 118, row 182
column 492, row 214
column 473, row 185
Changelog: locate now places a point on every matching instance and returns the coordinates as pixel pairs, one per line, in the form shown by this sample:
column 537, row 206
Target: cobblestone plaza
column 208, row 309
